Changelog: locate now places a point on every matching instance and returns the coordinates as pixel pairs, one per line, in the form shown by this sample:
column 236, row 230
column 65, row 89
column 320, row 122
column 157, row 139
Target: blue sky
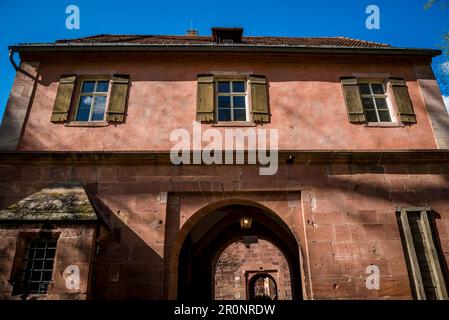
column 403, row 22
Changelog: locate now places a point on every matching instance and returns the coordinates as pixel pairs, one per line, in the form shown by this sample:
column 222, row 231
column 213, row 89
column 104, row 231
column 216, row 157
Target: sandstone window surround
column 232, row 99
column 365, row 97
column 112, row 92
column 422, row 256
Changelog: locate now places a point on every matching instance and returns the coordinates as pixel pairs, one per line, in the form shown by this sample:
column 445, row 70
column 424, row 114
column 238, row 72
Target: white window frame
column 232, row 94
column 94, row 94
column 373, row 97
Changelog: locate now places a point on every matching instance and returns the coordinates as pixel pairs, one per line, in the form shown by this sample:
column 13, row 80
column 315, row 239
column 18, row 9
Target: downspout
column 11, row 58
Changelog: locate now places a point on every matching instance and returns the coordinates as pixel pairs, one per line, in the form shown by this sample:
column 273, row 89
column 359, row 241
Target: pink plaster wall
column 306, row 102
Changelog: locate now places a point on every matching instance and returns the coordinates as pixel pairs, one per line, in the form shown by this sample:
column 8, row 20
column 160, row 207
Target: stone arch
column 237, row 260
column 293, row 247
column 252, row 282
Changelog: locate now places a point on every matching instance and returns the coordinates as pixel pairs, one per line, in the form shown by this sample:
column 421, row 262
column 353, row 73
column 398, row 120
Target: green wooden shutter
column 353, row 100
column 403, row 102
column 259, row 99
column 205, row 98
column 118, row 98
column 63, row 98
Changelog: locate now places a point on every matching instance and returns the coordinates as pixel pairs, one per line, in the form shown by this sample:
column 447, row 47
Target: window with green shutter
column 118, row 98
column 96, row 99
column 377, row 101
column 205, row 98
column 232, row 99
column 403, row 102
column 63, row 98
column 353, row 100
column 259, row 99
column 374, row 101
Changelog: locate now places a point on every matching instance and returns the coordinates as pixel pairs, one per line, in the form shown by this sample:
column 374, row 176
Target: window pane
column 84, row 108
column 371, row 116
column 83, row 115
column 238, row 86
column 51, row 253
column 34, row 287
column 41, row 244
column 239, row 115
column 99, row 107
column 368, row 103
column 43, row 288
column 224, row 115
column 48, row 264
column 36, row 276
column 46, row 275
column 378, row 88
column 224, row 86
column 88, row 86
column 364, row 88
column 384, row 116
column 224, row 102
column 239, row 102
column 38, row 264
column 381, row 103
column 102, row 86
column 40, row 253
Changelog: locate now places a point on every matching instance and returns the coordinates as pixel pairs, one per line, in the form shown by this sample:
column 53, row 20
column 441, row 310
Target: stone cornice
column 378, row 157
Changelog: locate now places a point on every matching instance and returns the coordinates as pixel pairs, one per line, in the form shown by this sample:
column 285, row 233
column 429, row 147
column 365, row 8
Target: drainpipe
column 11, row 58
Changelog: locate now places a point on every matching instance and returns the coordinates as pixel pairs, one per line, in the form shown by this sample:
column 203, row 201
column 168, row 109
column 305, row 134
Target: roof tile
column 253, row 40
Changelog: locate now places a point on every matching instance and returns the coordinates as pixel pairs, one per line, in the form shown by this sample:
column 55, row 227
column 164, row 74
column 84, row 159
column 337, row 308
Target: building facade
column 348, row 200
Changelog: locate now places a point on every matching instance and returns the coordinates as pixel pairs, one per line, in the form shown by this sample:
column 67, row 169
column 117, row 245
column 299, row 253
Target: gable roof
column 192, row 42
column 253, row 40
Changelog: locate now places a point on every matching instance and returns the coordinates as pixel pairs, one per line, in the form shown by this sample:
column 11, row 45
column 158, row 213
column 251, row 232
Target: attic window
column 227, row 35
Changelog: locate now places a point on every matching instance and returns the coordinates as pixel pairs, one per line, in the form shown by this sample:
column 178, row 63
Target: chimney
column 192, row 33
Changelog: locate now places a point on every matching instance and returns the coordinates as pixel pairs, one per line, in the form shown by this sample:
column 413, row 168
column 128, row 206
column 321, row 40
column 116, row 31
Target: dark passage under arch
column 213, row 233
column 262, row 286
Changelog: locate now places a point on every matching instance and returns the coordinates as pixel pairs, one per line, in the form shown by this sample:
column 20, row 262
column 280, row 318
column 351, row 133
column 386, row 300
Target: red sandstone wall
column 237, row 264
column 130, row 261
column 342, row 215
column 306, row 102
column 75, row 247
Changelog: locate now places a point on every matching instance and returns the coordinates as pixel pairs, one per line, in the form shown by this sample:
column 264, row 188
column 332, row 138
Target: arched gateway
column 215, row 231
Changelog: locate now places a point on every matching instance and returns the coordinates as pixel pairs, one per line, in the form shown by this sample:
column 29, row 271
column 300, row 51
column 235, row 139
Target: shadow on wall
column 126, row 267
column 403, row 191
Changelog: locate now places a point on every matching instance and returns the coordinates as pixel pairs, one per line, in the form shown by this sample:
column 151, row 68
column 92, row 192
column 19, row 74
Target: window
column 422, row 256
column 374, row 101
column 231, row 100
column 37, row 267
column 92, row 100
column 87, row 106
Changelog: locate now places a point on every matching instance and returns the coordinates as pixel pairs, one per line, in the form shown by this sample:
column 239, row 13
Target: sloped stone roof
column 62, row 201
